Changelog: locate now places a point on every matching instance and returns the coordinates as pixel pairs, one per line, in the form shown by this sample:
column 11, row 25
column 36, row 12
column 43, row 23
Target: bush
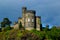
column 6, row 28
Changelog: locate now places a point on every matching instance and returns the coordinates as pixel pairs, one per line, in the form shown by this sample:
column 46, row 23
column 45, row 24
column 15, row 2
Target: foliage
column 53, row 34
column 46, row 28
column 5, row 22
column 38, row 33
column 18, row 35
column 7, row 28
column 20, row 26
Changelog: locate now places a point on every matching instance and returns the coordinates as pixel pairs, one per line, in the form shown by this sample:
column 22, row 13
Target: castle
column 29, row 20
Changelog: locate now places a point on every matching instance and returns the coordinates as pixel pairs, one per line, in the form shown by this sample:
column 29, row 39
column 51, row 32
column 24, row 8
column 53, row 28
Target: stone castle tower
column 29, row 19
column 38, row 23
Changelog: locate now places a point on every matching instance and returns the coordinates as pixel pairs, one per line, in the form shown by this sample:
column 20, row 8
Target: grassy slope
column 30, row 35
column 18, row 35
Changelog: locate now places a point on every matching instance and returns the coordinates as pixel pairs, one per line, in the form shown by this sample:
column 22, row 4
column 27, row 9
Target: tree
column 53, row 28
column 6, row 22
column 47, row 28
column 2, row 24
column 20, row 25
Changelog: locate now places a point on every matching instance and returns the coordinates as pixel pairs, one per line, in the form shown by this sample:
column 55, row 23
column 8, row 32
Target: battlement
column 31, row 11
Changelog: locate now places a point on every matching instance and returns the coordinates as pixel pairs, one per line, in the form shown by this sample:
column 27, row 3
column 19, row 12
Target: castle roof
column 38, row 16
column 31, row 11
column 24, row 8
column 19, row 18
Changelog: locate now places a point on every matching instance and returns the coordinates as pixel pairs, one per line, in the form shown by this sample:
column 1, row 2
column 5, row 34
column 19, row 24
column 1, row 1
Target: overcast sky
column 49, row 10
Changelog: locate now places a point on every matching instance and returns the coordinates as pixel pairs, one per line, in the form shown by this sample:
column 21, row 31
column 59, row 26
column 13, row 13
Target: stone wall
column 29, row 20
column 38, row 22
column 16, row 26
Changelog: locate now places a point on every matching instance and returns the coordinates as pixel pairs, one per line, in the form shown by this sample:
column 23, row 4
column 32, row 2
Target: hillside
column 18, row 35
column 46, row 34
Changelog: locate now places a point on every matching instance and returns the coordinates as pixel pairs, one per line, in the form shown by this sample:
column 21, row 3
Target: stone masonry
column 29, row 20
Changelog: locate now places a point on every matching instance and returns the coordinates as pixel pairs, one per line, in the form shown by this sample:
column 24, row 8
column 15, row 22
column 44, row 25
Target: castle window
column 32, row 20
column 28, row 19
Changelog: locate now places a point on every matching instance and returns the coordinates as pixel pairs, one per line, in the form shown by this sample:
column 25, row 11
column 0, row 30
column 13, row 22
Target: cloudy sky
column 49, row 10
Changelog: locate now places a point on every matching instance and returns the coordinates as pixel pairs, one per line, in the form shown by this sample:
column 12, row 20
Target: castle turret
column 24, row 9
column 38, row 23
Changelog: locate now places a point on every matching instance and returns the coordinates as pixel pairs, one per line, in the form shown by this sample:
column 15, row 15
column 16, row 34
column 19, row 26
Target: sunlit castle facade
column 29, row 20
